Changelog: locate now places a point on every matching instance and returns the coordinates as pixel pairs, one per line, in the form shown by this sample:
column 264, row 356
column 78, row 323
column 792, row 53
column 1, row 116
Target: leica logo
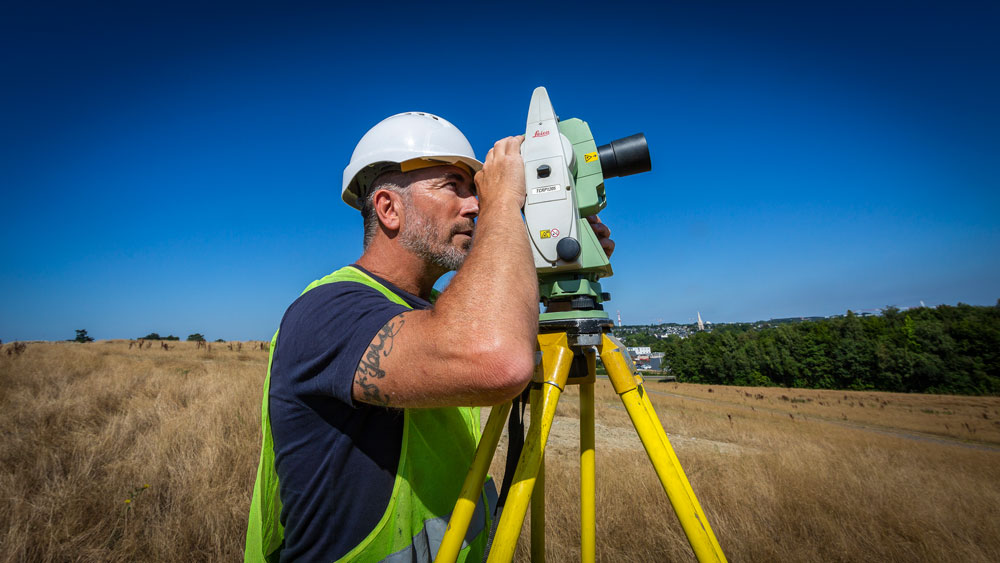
column 540, row 134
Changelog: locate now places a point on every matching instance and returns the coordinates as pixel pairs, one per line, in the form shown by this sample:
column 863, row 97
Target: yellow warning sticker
column 590, row 157
column 545, row 234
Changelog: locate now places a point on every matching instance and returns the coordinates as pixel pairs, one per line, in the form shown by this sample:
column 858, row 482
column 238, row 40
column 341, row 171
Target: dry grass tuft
column 87, row 427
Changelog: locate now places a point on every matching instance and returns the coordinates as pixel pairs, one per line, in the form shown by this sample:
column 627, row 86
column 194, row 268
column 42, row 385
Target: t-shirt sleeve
column 324, row 334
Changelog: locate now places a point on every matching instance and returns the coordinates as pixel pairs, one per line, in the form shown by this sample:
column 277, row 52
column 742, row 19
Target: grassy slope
column 87, row 426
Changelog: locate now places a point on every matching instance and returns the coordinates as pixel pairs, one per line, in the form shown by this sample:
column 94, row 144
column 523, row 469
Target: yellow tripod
column 562, row 344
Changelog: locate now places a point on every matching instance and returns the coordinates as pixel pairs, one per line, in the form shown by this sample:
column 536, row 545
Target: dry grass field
column 783, row 474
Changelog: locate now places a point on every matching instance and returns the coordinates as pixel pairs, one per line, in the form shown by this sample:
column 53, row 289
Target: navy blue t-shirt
column 336, row 459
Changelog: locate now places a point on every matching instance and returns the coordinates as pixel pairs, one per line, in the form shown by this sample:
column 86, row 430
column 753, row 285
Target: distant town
column 663, row 330
column 645, row 359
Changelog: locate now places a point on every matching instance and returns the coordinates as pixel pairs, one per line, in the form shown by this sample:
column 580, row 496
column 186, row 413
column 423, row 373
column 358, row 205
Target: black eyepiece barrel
column 624, row 157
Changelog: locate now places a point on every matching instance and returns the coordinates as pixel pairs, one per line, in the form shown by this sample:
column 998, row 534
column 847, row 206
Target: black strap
column 515, row 443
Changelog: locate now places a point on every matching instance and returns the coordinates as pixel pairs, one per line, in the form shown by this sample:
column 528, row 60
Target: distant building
column 640, row 356
column 678, row 331
column 643, row 358
column 656, row 361
column 639, row 351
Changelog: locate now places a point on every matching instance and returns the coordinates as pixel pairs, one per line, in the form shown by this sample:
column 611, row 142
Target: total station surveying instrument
column 564, row 173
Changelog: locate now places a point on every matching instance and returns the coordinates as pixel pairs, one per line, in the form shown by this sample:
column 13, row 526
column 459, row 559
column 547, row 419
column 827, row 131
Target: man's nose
column 470, row 207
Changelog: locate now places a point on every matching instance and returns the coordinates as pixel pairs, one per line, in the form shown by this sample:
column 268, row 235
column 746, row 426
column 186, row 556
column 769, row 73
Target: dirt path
column 564, row 437
column 908, row 434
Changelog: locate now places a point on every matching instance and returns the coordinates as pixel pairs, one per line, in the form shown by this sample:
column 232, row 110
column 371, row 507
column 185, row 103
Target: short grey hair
column 392, row 180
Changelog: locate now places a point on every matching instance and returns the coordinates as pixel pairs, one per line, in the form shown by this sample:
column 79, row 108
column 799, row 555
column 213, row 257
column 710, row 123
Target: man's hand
column 603, row 234
column 502, row 175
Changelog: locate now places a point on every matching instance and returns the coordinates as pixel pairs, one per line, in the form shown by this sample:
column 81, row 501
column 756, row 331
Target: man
column 368, row 433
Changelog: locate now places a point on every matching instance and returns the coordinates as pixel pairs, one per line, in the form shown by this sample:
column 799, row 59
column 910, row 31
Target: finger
column 608, row 245
column 500, row 147
column 599, row 228
column 509, row 145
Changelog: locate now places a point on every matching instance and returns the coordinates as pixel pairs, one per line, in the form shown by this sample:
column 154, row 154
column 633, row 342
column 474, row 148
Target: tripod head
column 564, row 171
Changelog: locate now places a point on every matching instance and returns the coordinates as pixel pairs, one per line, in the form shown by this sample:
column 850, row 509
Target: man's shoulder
column 323, row 334
column 335, row 290
column 355, row 288
column 333, row 299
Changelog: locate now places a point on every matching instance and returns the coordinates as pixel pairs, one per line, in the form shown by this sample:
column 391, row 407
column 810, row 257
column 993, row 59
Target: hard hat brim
column 358, row 186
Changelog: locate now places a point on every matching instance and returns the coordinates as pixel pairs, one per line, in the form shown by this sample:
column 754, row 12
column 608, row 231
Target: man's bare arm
column 370, row 371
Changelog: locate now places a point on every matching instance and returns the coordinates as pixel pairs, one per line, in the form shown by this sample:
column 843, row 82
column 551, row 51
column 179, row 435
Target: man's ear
column 389, row 208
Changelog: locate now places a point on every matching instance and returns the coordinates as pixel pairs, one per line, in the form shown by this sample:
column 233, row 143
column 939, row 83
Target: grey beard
column 418, row 238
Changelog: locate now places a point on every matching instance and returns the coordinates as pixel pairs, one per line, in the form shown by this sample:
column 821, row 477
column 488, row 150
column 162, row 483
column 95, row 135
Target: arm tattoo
column 369, row 370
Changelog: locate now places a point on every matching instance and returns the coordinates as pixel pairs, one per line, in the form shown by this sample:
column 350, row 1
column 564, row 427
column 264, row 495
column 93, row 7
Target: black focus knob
column 544, row 171
column 568, row 249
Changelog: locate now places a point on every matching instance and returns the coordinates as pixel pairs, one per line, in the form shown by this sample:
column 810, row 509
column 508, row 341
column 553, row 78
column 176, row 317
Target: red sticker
column 555, row 233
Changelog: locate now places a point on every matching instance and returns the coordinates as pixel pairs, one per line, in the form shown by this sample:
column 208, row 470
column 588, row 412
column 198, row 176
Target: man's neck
column 401, row 268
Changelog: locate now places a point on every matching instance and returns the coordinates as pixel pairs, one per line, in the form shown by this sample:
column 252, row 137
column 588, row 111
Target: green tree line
column 948, row 349
column 156, row 336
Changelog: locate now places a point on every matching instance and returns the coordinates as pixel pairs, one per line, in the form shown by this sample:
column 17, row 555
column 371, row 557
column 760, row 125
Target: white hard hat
column 404, row 137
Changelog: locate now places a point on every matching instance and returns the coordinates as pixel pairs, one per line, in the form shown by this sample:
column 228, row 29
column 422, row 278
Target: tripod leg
column 648, row 406
column 658, row 426
column 668, row 469
column 472, row 488
column 552, row 374
column 538, row 493
column 588, row 510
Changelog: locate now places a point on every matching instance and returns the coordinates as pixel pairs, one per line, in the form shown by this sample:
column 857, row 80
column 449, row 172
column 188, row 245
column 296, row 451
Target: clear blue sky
column 177, row 168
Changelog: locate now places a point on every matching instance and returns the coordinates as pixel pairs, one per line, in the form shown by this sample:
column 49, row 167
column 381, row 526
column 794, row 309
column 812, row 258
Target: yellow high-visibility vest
column 437, row 447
